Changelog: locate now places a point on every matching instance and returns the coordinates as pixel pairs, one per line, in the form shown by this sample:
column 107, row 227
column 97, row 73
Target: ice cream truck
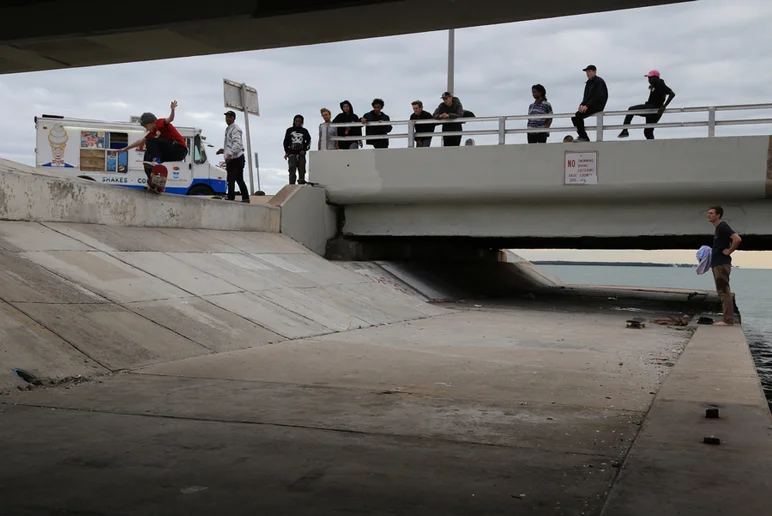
column 87, row 149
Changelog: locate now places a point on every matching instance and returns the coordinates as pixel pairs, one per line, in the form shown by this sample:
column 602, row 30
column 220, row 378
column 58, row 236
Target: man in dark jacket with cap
column 297, row 141
column 347, row 116
column 377, row 115
column 450, row 109
column 594, row 101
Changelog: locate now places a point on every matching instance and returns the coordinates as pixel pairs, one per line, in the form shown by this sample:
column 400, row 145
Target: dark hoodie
column 297, row 139
column 343, row 118
column 377, row 129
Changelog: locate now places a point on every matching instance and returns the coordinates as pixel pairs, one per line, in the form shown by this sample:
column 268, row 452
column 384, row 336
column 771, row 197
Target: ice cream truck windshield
column 88, row 149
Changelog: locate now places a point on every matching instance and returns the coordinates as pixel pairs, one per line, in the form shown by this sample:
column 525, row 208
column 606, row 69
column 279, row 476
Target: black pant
column 451, row 141
column 235, row 170
column 379, row 144
column 538, row 137
column 650, row 119
column 163, row 150
column 297, row 168
column 578, row 120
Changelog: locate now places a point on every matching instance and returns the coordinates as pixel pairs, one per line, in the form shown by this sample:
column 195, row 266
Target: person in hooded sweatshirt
column 450, row 109
column 377, row 115
column 347, row 116
column 297, row 141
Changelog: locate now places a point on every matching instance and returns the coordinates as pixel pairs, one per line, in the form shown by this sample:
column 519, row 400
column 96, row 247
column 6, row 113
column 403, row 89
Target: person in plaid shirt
column 539, row 107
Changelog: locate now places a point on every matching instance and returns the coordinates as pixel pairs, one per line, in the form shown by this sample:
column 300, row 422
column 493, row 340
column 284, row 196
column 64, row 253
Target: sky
column 711, row 52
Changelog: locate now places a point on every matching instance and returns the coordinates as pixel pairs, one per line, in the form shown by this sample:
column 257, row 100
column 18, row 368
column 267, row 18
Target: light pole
column 451, row 58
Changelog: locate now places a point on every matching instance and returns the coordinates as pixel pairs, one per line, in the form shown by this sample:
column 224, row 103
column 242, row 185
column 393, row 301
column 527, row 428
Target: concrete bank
column 80, row 299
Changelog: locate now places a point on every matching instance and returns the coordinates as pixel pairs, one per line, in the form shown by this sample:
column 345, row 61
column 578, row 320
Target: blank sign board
column 232, row 92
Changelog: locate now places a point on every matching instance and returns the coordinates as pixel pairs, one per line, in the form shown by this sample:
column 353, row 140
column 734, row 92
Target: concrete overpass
column 643, row 194
column 53, row 34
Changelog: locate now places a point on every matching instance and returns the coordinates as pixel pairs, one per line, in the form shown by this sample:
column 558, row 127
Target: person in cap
column 162, row 142
column 377, row 115
column 297, row 142
column 450, row 109
column 660, row 96
column 233, row 150
column 594, row 101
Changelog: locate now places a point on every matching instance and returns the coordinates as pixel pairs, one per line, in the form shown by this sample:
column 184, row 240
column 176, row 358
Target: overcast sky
column 711, row 52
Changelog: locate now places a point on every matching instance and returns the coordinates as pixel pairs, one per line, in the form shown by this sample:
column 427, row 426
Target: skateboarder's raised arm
column 170, row 118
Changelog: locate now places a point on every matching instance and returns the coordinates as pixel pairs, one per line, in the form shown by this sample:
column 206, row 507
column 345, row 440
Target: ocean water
column 751, row 288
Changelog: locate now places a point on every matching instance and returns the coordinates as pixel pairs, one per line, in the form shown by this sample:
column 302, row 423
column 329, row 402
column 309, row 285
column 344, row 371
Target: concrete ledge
column 27, row 194
column 670, row 471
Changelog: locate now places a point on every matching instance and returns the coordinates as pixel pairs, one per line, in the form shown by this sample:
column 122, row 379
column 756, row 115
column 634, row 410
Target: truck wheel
column 201, row 190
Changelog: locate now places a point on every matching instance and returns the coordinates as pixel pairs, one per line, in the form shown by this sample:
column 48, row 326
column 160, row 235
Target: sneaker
column 301, row 181
column 624, row 134
column 245, row 200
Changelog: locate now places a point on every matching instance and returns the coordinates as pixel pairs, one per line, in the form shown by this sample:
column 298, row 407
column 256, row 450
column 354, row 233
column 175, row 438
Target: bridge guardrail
column 711, row 123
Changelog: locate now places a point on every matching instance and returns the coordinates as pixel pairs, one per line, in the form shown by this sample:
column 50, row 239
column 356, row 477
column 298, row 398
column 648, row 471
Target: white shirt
column 234, row 144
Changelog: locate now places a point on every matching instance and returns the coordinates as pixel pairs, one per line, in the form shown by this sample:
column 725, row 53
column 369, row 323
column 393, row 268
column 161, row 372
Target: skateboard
column 157, row 181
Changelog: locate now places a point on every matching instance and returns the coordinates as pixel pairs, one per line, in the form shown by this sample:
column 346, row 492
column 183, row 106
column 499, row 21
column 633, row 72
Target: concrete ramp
column 80, row 299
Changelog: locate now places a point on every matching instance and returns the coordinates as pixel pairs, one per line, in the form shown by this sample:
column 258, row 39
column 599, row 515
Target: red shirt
column 167, row 132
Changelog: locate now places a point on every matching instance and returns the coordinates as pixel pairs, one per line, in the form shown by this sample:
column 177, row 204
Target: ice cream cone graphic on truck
column 57, row 138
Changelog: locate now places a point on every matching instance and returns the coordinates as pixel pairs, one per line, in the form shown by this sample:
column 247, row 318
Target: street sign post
column 240, row 97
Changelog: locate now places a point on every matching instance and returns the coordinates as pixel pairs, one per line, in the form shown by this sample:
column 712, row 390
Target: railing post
column 711, row 122
column 411, row 134
column 323, row 141
column 600, row 126
column 502, row 131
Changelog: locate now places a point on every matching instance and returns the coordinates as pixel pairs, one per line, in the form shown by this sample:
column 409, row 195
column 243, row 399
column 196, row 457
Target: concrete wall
column 305, row 216
column 30, row 195
column 727, row 169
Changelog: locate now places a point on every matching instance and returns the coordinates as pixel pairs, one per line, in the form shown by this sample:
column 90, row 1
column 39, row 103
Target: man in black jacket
column 377, row 115
column 594, row 101
column 297, row 141
column 420, row 114
column 347, row 116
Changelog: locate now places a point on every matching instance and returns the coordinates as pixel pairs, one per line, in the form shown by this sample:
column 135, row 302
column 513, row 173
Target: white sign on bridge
column 581, row 168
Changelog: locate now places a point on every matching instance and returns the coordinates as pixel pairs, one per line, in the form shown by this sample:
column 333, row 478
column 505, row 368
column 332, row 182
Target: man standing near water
column 725, row 242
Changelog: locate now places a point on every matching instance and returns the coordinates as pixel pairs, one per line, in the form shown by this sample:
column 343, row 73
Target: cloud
column 710, row 52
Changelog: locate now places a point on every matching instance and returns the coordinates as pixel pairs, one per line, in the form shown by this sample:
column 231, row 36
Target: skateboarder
column 162, row 142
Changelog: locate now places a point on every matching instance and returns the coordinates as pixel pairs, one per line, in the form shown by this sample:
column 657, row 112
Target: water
column 751, row 287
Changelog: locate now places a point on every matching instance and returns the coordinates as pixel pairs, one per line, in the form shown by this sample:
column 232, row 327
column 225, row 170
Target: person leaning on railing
column 450, row 109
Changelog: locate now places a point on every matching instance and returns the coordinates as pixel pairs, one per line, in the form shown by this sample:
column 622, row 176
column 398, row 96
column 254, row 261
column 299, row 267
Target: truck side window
column 199, row 153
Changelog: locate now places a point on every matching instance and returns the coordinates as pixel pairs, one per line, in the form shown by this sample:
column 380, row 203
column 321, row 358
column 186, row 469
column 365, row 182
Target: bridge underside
column 45, row 34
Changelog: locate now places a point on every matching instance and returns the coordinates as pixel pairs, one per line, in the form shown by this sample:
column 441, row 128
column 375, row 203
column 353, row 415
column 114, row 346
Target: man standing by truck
column 234, row 158
column 162, row 142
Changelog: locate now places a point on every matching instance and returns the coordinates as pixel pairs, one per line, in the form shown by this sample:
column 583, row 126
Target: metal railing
column 502, row 131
